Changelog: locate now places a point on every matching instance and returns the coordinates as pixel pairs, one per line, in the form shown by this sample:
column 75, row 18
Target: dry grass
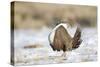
column 37, row 15
column 33, row 46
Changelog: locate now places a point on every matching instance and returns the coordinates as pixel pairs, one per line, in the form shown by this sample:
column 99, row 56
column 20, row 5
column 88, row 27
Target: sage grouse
column 64, row 37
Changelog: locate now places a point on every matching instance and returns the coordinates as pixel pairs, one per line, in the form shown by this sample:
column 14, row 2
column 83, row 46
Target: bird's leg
column 64, row 54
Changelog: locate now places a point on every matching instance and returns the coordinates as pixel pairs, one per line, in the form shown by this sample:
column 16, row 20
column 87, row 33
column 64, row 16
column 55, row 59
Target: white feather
column 71, row 30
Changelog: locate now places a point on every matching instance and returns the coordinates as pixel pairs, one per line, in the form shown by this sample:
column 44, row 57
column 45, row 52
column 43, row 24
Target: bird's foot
column 64, row 56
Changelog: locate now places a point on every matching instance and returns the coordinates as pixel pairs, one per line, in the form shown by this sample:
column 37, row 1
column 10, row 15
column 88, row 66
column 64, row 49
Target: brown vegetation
column 33, row 46
column 37, row 15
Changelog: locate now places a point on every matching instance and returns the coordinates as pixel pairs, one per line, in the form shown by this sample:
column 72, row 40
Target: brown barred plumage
column 63, row 40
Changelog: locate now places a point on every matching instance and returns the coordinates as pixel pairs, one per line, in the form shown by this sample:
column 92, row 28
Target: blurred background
column 37, row 15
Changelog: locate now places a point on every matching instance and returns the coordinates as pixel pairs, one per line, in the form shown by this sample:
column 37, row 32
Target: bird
column 65, row 38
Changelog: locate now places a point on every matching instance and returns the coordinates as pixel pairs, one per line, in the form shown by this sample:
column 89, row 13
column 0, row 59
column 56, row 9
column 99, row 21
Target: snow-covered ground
column 45, row 55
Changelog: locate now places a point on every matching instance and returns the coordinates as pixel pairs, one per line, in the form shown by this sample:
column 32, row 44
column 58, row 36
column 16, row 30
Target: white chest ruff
column 71, row 31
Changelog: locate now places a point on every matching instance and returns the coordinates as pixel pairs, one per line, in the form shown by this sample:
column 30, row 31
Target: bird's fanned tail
column 76, row 39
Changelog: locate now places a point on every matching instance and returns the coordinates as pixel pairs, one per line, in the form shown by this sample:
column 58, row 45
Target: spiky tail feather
column 76, row 39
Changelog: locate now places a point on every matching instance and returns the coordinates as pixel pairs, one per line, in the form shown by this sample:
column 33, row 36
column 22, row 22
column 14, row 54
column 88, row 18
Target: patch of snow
column 45, row 55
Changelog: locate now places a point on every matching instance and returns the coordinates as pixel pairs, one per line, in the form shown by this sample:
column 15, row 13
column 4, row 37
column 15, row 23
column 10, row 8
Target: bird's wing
column 61, row 39
column 77, row 39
